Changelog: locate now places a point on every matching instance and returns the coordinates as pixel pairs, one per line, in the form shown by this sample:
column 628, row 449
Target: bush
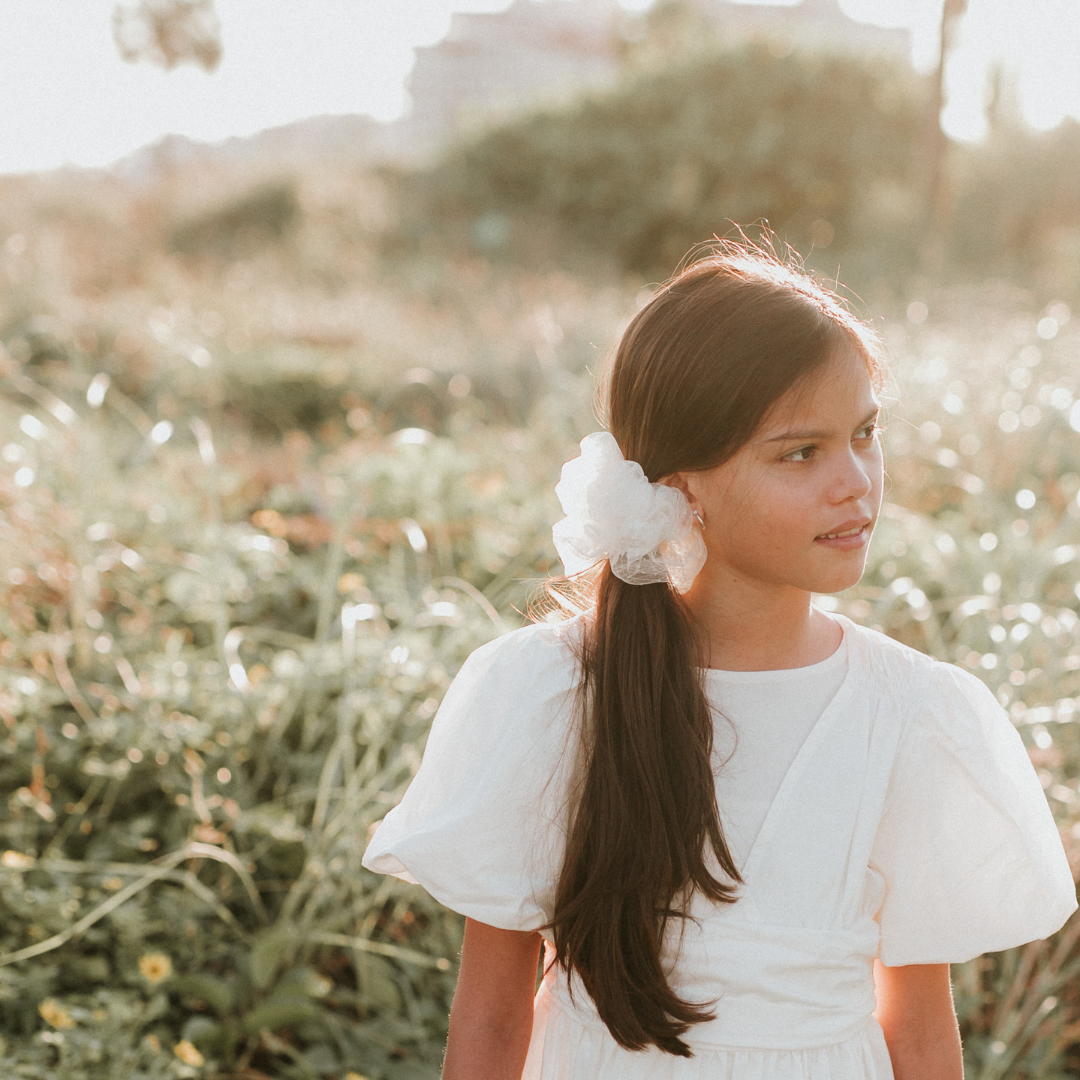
column 815, row 144
column 267, row 214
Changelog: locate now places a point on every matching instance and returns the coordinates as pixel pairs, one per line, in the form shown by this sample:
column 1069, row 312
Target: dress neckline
column 836, row 709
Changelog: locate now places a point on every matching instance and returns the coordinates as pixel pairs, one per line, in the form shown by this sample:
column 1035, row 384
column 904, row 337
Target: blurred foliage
column 257, row 512
column 834, row 152
column 169, row 32
column 267, row 214
column 824, row 147
column 217, row 673
column 1018, row 206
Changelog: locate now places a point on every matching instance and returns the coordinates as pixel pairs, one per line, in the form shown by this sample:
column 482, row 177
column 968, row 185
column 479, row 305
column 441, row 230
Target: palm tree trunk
column 938, row 190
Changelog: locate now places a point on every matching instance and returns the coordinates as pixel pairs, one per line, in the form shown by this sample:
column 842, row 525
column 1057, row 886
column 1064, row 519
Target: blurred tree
column 938, row 196
column 824, row 147
column 1017, row 209
column 169, row 32
column 1003, row 111
column 669, row 30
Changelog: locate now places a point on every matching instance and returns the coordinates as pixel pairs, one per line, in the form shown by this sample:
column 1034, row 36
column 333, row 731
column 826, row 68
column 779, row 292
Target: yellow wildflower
column 187, row 1053
column 52, row 1012
column 155, row 967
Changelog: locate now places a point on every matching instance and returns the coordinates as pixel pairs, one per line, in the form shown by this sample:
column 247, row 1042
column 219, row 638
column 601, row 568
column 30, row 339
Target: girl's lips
column 849, row 540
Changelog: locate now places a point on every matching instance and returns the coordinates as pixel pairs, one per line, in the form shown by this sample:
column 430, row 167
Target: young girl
column 752, row 835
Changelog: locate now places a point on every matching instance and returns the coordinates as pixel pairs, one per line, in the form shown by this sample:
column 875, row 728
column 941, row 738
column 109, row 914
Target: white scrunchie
column 645, row 530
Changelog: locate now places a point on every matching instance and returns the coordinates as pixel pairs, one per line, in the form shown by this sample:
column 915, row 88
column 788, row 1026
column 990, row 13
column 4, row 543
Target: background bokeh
column 280, row 423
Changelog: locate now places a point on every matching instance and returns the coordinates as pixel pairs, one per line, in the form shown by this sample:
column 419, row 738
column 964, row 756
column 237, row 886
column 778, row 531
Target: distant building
column 492, row 64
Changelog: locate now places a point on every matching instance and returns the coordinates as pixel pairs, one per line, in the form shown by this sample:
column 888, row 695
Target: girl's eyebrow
column 792, row 436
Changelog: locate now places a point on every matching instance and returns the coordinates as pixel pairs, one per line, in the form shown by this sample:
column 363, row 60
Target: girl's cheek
column 800, row 490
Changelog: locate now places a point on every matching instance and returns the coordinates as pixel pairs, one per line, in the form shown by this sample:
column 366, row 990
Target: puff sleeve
column 481, row 825
column 968, row 848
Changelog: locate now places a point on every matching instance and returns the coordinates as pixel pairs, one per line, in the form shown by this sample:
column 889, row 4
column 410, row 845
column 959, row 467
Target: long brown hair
column 690, row 381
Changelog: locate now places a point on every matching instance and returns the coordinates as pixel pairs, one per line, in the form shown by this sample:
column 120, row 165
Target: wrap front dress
column 909, row 827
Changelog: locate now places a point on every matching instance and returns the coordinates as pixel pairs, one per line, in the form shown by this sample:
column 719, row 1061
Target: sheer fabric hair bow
column 645, row 530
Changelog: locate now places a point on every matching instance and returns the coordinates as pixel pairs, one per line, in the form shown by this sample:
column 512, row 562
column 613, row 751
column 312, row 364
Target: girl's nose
column 854, row 478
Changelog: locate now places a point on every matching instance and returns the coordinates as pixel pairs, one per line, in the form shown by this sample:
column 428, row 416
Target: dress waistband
column 772, row 987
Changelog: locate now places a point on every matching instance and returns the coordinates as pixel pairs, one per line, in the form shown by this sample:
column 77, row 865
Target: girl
column 752, row 835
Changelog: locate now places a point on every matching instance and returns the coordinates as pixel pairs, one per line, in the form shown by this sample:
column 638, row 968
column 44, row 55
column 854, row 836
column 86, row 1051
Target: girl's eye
column 802, row 454
column 869, row 431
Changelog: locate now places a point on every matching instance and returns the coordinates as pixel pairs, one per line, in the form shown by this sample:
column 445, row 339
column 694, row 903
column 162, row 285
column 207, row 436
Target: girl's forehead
column 841, row 388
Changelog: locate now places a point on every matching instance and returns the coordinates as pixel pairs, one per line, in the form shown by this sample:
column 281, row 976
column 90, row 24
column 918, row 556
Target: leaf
column 305, row 981
column 273, row 1015
column 197, row 1028
column 207, row 989
column 169, row 32
column 157, row 1006
column 217, row 1040
column 270, row 949
column 377, row 982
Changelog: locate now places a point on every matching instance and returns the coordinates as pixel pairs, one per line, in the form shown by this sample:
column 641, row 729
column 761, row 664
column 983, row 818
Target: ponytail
column 645, row 817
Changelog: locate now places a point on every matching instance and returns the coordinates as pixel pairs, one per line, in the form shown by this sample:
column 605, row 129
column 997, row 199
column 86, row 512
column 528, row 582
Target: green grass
column 204, row 717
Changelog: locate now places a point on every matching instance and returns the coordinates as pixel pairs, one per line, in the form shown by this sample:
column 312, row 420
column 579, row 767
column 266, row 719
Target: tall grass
column 208, row 702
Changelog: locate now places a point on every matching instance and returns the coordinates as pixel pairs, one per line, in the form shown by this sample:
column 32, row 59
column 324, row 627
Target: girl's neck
column 763, row 630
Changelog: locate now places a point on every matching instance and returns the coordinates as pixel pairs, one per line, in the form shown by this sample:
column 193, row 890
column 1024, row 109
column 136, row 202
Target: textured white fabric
column 910, row 824
column 645, row 530
column 766, row 717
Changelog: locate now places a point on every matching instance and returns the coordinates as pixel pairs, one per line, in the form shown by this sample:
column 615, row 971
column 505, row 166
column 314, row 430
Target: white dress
column 766, row 717
column 909, row 826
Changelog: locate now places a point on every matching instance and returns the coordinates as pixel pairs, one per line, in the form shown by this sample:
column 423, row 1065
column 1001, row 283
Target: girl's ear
column 679, row 480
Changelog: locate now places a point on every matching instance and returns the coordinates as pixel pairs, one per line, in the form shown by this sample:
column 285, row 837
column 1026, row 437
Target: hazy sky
column 68, row 97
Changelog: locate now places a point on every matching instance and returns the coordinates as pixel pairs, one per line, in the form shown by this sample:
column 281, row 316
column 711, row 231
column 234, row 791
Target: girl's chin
column 837, row 582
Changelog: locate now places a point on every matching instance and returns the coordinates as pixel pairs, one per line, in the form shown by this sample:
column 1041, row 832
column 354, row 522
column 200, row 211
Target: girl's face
column 796, row 505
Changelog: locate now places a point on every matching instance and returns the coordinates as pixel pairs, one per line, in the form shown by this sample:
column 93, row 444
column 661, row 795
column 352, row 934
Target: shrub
column 268, row 213
column 674, row 155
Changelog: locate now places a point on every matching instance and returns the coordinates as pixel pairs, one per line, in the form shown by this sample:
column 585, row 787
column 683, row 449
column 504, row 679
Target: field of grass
column 255, row 512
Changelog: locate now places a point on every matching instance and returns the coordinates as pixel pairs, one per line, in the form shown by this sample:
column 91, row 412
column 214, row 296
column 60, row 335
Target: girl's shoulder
column 540, row 646
column 934, row 701
column 873, row 648
column 532, row 664
column 520, row 680
column 912, row 675
column 965, row 841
